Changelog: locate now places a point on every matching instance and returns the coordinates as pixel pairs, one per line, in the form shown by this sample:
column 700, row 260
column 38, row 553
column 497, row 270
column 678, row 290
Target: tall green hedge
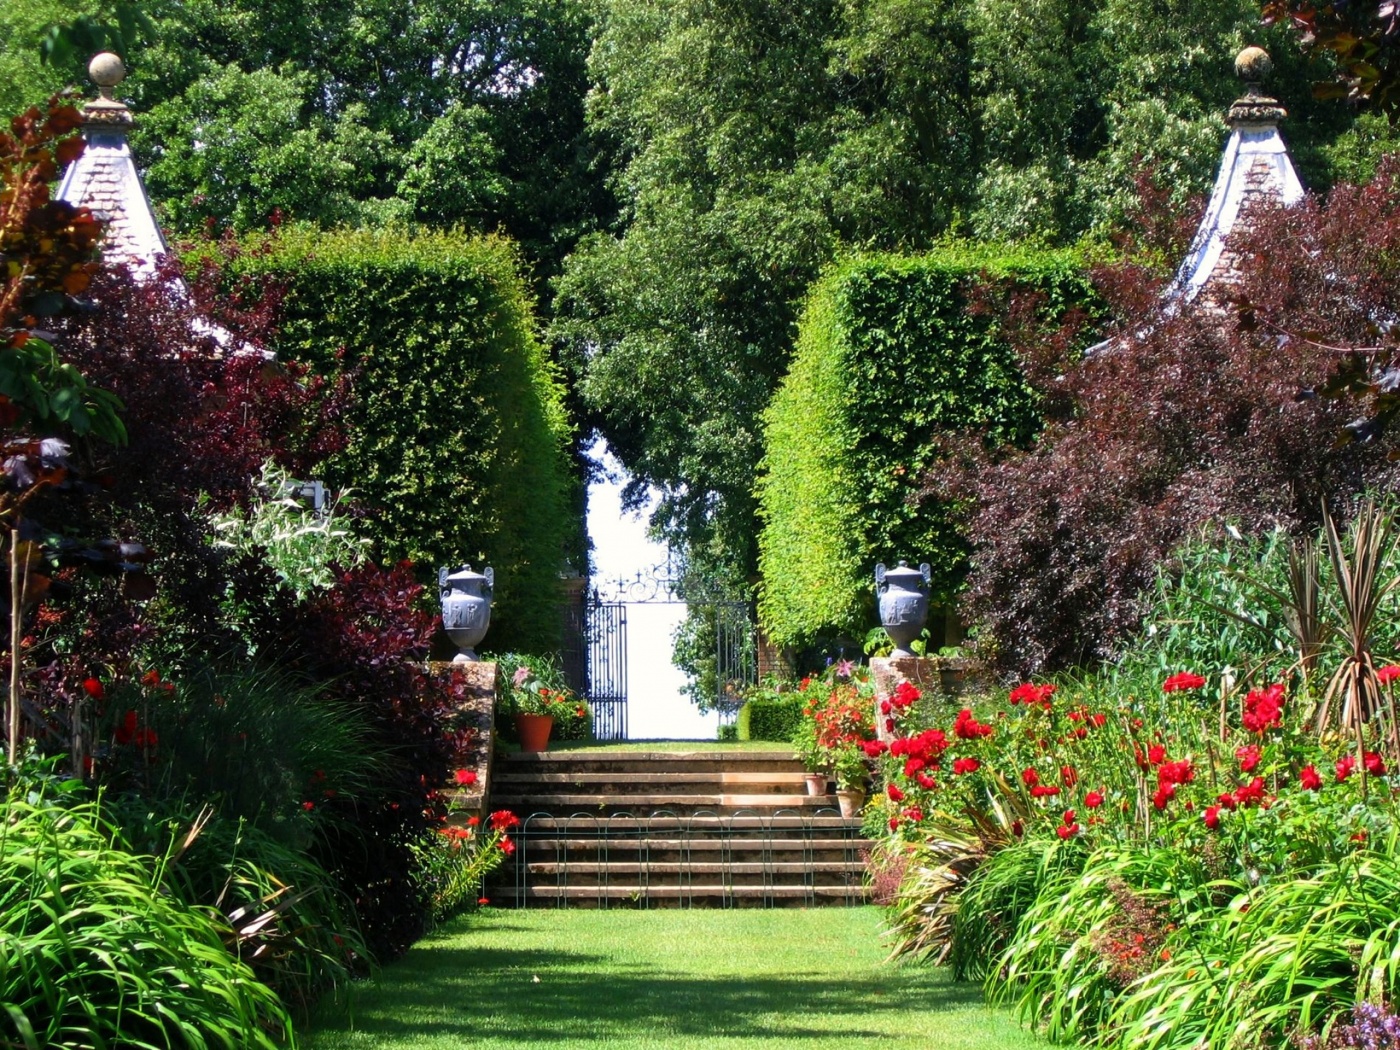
column 458, row 434
column 892, row 352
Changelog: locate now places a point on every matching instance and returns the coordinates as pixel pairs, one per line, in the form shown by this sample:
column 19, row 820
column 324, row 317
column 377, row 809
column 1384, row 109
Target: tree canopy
column 759, row 140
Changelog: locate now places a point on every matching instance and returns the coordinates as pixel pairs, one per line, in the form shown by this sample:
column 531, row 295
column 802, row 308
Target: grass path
column 785, row 979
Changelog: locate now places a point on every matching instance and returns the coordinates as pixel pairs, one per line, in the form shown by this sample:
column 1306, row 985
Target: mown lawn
column 785, row 979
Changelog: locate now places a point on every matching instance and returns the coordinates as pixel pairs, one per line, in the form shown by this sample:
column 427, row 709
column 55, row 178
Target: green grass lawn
column 784, row 979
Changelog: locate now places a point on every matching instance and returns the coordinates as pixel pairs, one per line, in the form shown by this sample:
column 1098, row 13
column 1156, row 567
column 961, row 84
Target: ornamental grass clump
column 95, row 952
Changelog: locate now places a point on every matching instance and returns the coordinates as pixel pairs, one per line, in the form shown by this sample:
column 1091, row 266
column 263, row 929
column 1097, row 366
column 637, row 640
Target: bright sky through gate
column 656, row 707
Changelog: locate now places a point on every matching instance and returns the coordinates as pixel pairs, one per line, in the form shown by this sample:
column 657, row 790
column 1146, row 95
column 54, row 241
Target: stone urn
column 903, row 599
column 466, row 608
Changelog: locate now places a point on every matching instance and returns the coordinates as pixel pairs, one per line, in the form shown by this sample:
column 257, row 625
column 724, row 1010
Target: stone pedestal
column 474, row 687
column 936, row 677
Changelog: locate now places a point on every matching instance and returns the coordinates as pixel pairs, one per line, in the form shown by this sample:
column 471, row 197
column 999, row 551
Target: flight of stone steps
column 661, row 829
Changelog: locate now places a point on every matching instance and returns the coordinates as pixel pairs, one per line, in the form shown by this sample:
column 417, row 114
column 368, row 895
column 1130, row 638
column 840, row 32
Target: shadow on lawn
column 454, row 993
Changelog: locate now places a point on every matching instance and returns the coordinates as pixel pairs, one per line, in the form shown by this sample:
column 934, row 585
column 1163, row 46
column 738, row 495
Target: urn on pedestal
column 903, row 599
column 466, row 608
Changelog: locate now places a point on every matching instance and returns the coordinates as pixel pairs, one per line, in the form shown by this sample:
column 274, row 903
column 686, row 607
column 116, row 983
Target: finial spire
column 107, row 71
column 1253, row 65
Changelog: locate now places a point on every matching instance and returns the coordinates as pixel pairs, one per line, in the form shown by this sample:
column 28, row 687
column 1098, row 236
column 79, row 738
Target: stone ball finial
column 1253, row 64
column 106, row 71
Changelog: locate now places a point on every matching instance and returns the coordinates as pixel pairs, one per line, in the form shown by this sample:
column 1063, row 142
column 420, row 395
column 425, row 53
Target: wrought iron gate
column 605, row 631
column 605, row 642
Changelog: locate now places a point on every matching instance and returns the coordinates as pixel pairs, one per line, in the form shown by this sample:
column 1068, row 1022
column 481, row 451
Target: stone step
column 791, row 871
column 723, row 778
column 782, row 824
column 715, row 891
column 658, row 761
column 519, row 803
column 709, row 844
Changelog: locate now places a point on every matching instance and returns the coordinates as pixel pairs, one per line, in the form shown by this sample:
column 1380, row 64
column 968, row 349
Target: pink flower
column 1183, row 681
column 521, row 676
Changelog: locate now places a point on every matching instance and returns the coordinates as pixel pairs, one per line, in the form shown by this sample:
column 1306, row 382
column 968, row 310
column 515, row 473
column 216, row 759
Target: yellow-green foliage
column 890, row 356
column 458, row 433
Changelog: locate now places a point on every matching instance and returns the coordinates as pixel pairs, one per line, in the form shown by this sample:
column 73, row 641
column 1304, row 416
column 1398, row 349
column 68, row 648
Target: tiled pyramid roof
column 1256, row 166
column 105, row 179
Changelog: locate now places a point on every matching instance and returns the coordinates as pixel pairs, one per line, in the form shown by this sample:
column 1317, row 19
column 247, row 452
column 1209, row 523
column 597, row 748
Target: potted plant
column 851, row 772
column 533, row 693
column 815, row 759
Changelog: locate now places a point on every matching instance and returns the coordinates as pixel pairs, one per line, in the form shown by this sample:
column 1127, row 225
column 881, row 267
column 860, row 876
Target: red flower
column 1248, row 756
column 1212, row 817
column 308, row 805
column 1226, row 800
column 1029, row 694
column 965, row 727
column 895, row 795
column 1345, row 765
column 503, row 819
column 925, row 781
column 1308, row 777
column 1067, row 831
column 1183, row 681
column 464, row 777
column 1388, row 673
column 93, row 688
column 1250, row 794
column 1156, row 754
column 1068, row 776
column 507, row 847
column 1176, row 772
column 473, row 821
column 126, row 732
column 1263, row 708
column 886, row 707
column 913, row 765
column 1093, row 800
column 1030, row 777
column 1044, row 791
column 874, row 748
column 483, row 901
column 914, row 813
column 965, row 765
column 1069, row 816
column 906, row 694
column 1164, row 794
column 151, row 679
column 1375, row 765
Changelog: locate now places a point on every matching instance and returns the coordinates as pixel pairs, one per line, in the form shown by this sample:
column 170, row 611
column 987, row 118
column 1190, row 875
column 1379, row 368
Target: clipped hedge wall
column 892, row 352
column 458, row 434
column 770, row 719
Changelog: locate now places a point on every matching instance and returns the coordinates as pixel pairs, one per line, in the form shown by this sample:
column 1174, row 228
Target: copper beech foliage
column 1360, row 38
column 1254, row 410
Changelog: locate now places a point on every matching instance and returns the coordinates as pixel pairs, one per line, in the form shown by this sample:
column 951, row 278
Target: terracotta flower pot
column 850, row 800
column 533, row 731
column 816, row 783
